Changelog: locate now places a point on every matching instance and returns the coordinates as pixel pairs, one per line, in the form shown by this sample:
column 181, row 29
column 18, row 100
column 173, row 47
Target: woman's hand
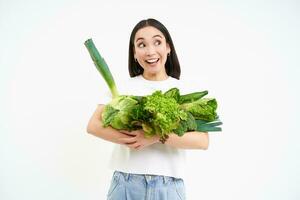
column 137, row 140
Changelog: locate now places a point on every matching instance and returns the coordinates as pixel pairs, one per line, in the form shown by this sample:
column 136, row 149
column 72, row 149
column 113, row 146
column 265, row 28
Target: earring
column 168, row 54
column 135, row 60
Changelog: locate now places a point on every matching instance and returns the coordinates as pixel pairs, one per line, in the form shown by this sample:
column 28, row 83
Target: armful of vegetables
column 157, row 113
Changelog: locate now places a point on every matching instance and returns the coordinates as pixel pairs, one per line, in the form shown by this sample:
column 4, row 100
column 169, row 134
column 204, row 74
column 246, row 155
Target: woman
column 147, row 168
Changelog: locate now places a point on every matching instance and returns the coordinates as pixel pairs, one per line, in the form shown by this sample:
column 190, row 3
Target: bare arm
column 96, row 128
column 190, row 140
column 136, row 139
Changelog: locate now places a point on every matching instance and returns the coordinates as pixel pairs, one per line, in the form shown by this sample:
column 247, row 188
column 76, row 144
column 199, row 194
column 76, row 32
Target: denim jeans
column 125, row 186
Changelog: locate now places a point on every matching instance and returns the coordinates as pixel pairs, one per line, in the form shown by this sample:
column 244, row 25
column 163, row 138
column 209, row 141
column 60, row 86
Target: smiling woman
column 150, row 51
column 148, row 167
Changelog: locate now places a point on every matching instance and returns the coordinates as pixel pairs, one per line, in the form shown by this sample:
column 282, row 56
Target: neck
column 156, row 77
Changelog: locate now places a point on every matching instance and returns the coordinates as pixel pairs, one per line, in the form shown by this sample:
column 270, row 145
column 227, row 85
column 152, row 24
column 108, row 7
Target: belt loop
column 127, row 176
column 148, row 178
column 116, row 175
column 165, row 179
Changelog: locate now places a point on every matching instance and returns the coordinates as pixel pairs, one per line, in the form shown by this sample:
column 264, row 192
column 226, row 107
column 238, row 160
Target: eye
column 141, row 45
column 157, row 42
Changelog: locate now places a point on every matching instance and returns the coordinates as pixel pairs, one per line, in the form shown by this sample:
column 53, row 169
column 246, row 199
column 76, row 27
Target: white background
column 246, row 53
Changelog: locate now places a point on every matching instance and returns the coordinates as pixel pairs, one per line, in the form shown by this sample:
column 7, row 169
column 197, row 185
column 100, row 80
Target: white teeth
column 152, row 60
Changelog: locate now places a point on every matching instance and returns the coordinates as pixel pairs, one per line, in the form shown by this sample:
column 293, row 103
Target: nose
column 150, row 50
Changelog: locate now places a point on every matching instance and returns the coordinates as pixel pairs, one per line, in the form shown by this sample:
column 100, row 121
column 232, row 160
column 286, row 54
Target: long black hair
column 172, row 64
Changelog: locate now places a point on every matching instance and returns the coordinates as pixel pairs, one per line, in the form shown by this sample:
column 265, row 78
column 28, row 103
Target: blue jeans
column 125, row 186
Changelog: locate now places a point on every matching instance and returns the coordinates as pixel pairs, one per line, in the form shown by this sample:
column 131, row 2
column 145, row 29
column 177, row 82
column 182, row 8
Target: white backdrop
column 246, row 53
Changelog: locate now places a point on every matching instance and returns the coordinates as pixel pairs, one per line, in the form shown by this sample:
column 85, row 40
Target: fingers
column 132, row 133
column 134, row 146
column 127, row 140
column 134, row 139
column 131, row 143
column 124, row 131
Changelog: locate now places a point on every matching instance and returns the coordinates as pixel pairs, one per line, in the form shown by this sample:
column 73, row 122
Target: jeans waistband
column 147, row 177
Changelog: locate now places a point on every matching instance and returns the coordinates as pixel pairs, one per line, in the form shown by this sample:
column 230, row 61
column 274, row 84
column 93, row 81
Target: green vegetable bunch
column 158, row 113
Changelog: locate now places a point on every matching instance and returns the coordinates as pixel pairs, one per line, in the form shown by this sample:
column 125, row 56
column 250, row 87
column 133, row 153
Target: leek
column 101, row 67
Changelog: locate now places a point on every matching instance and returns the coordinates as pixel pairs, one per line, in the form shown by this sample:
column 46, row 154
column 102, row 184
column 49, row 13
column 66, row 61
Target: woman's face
column 151, row 51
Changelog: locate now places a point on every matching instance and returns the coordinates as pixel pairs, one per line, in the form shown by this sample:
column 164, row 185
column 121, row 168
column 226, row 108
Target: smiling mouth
column 152, row 61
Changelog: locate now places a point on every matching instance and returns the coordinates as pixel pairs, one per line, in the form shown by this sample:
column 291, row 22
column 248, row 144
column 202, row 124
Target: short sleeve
column 189, row 86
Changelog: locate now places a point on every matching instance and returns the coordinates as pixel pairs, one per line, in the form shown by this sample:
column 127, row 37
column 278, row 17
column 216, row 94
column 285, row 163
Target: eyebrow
column 141, row 38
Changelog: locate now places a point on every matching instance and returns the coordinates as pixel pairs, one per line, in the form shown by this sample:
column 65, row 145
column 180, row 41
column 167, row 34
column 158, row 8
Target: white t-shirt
column 156, row 159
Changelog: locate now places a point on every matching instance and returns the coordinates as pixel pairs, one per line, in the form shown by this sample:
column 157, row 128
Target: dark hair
column 172, row 64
